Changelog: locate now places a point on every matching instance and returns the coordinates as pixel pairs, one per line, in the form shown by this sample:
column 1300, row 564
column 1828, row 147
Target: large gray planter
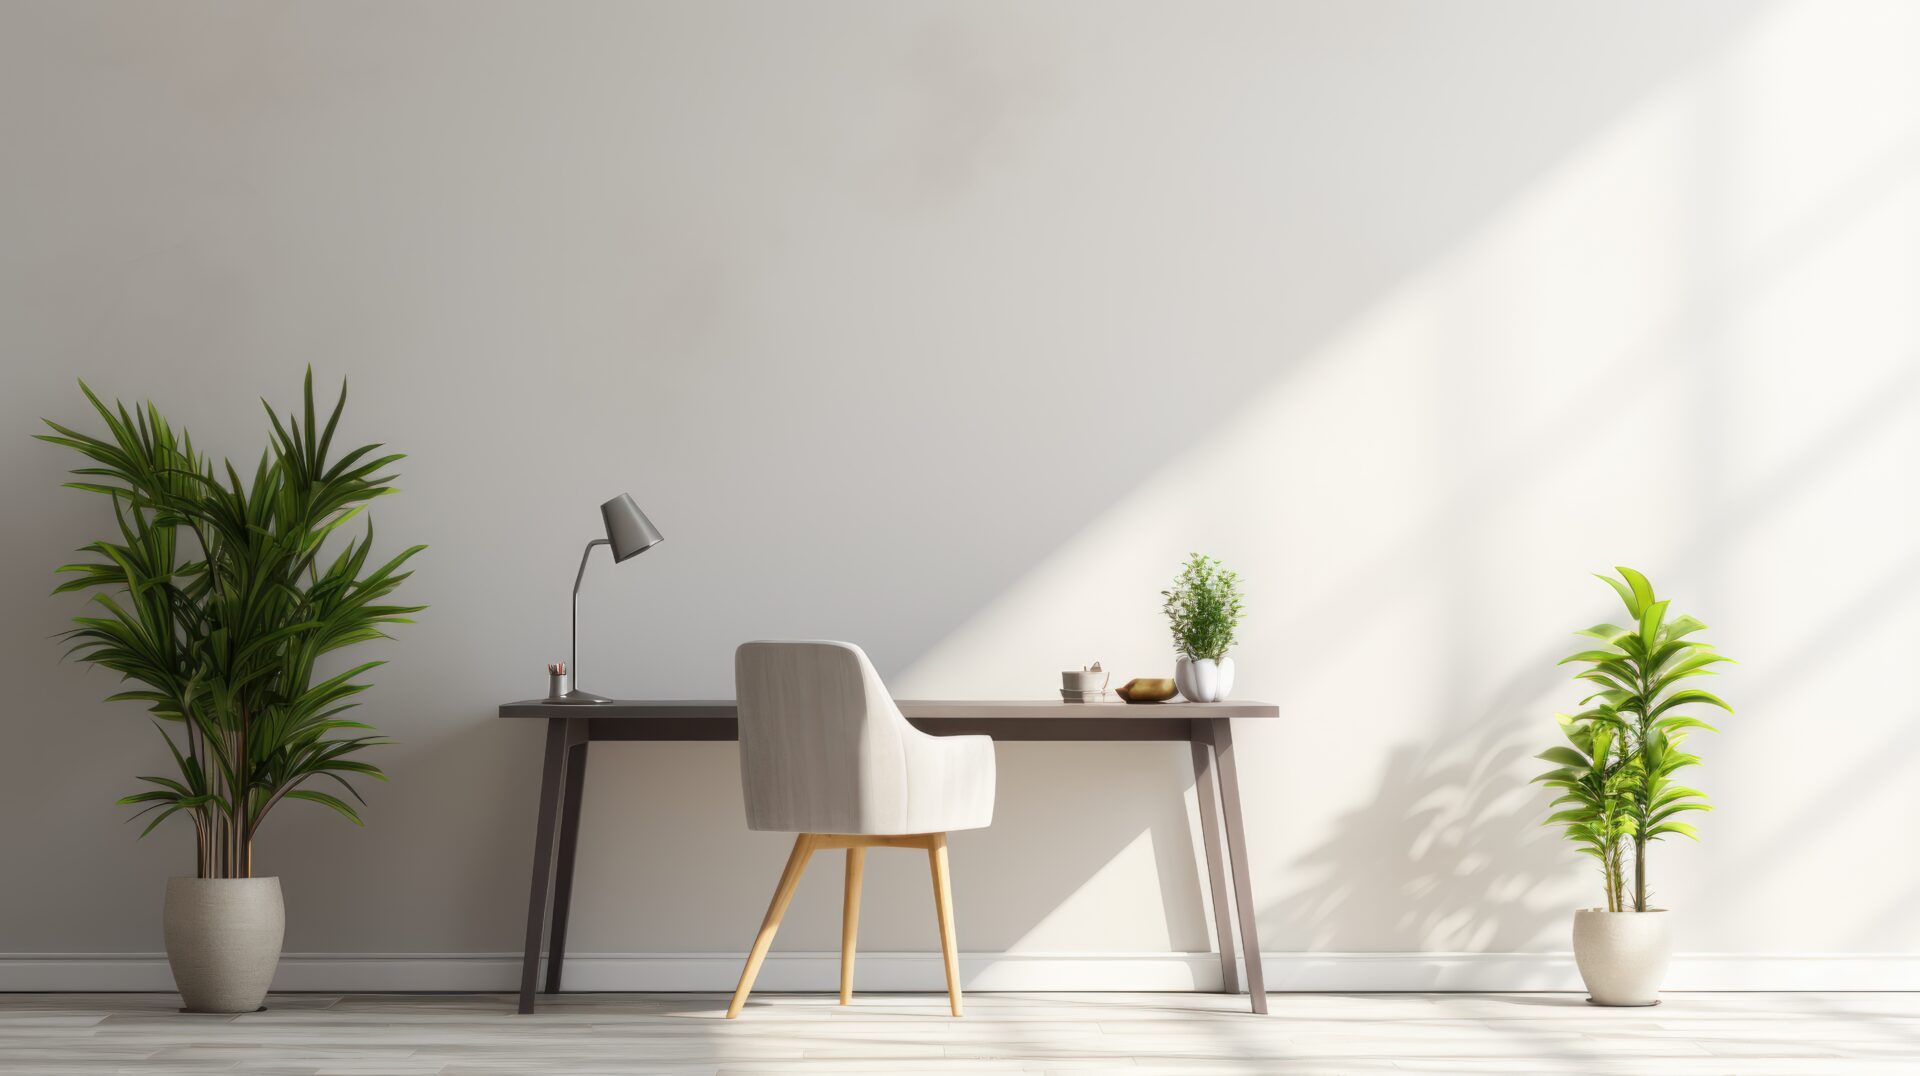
column 1623, row 956
column 223, row 940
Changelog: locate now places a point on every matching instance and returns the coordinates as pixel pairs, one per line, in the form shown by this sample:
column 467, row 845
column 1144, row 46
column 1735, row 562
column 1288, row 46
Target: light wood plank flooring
column 312, row 1034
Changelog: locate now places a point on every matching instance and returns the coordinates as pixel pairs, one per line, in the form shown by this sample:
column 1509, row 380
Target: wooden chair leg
column 943, row 904
column 782, row 896
column 850, row 921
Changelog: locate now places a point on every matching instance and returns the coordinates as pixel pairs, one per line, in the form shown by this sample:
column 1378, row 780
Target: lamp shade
column 629, row 530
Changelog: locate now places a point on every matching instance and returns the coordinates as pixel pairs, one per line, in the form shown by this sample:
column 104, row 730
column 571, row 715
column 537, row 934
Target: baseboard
column 1498, row 972
column 880, row 971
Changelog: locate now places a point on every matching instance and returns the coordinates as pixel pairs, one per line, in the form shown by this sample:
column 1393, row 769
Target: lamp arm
column 573, row 653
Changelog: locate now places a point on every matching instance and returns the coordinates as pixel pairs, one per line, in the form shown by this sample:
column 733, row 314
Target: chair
column 824, row 753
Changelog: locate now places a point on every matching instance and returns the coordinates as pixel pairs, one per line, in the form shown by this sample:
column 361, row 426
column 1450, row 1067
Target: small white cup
column 1084, row 680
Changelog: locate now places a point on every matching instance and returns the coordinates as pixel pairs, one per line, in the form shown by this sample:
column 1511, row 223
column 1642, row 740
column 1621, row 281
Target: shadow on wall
column 1451, row 821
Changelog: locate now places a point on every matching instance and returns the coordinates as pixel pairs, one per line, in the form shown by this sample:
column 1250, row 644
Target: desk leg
column 552, row 776
column 1203, row 789
column 1242, row 869
column 563, row 872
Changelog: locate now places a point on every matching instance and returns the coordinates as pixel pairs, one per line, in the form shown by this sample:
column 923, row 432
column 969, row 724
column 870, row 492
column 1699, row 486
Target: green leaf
column 1669, row 811
column 330, row 801
column 1594, row 656
column 1642, row 590
column 162, row 817
column 1627, row 596
column 1681, row 721
column 1683, row 626
column 1565, row 756
column 1650, row 621
column 1694, row 664
column 1681, row 698
column 1604, row 674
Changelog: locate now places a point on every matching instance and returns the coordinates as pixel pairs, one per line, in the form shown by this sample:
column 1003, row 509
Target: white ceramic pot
column 1205, row 680
column 223, row 940
column 1623, row 956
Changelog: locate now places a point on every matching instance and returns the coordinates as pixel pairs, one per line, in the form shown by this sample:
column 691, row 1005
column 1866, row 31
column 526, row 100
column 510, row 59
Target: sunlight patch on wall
column 1690, row 347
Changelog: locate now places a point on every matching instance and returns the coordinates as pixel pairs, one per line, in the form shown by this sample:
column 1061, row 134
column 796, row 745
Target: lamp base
column 577, row 697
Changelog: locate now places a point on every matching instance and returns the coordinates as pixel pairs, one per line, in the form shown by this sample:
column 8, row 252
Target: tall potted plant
column 217, row 598
column 1203, row 610
column 1617, row 780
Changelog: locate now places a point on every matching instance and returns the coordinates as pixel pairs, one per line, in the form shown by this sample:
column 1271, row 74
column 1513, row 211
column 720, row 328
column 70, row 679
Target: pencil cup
column 558, row 684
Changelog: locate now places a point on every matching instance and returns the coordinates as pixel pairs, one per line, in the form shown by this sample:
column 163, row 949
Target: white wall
column 950, row 329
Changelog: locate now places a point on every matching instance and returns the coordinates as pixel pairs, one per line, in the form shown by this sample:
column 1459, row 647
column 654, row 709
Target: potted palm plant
column 1203, row 609
column 217, row 597
column 1616, row 774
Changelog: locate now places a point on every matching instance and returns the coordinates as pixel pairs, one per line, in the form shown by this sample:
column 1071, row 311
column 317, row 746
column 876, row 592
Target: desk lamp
column 629, row 534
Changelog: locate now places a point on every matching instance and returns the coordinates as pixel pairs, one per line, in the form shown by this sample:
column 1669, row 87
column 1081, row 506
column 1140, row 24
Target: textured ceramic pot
column 1623, row 956
column 1205, row 680
column 223, row 940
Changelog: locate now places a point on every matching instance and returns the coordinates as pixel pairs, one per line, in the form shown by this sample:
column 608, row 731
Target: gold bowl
column 1145, row 690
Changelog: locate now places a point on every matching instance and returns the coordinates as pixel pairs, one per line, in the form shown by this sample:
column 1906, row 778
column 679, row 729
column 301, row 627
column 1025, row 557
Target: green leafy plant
column 1593, row 784
column 1203, row 608
column 1618, row 775
column 218, row 598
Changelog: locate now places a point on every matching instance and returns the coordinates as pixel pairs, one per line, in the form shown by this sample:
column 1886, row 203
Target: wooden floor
column 1168, row 1033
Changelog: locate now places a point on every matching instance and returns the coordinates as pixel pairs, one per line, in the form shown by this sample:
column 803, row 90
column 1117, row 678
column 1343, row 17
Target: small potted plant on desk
column 216, row 599
column 1616, row 775
column 1203, row 609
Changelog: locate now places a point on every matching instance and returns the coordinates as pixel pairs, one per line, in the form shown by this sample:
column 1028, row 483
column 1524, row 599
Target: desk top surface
column 1012, row 710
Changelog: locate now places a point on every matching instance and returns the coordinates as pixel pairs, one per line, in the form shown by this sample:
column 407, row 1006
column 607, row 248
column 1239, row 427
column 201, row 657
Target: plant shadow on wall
column 1445, row 852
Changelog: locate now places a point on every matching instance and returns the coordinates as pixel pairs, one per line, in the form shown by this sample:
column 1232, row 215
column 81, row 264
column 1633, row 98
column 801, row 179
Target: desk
column 1206, row 726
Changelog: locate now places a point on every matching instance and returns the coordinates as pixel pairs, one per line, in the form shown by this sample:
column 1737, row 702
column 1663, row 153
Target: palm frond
column 213, row 599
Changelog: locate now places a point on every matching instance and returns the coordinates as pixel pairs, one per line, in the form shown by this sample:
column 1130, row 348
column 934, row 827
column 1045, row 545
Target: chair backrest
column 822, row 745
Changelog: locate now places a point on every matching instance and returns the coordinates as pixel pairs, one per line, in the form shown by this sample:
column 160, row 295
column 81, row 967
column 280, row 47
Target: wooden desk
column 1207, row 727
